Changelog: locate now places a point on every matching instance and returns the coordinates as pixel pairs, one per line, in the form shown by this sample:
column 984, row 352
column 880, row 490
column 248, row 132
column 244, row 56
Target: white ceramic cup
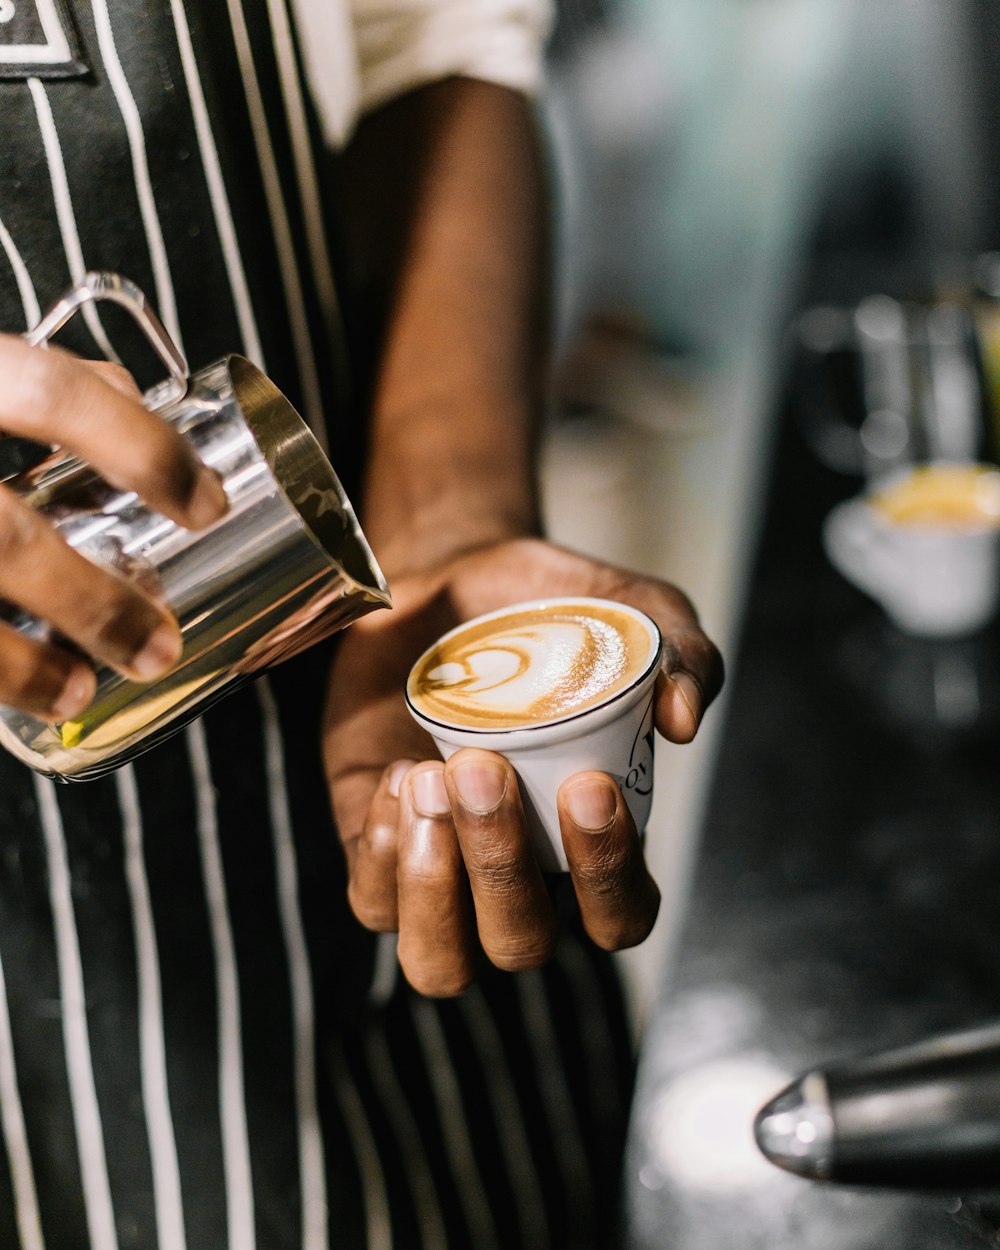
column 614, row 736
column 933, row 579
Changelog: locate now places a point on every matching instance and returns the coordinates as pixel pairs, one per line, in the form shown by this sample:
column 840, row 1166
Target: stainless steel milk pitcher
column 284, row 568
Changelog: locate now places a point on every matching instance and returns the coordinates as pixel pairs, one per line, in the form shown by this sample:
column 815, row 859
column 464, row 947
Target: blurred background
column 777, row 223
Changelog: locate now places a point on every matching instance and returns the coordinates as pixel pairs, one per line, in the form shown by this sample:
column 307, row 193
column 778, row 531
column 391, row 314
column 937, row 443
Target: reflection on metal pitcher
column 284, row 568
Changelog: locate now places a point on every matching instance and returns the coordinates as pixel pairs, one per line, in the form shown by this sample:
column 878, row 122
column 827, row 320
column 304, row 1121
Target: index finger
column 691, row 667
column 692, row 674
column 49, row 396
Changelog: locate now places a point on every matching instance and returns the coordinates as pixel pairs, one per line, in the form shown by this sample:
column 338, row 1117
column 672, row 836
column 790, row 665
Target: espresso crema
column 530, row 666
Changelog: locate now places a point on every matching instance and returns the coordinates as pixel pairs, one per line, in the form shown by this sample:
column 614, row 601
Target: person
column 200, row 1045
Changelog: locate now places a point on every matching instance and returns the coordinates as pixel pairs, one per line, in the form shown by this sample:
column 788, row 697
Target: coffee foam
column 945, row 495
column 530, row 666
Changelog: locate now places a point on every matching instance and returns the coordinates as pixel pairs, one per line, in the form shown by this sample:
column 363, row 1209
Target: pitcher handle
column 115, row 289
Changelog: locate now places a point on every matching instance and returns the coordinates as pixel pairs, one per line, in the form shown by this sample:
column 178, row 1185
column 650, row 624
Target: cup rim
column 927, row 528
column 504, row 733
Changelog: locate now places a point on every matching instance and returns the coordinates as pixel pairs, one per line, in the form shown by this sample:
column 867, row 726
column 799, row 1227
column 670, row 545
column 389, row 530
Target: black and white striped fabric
column 200, row 1049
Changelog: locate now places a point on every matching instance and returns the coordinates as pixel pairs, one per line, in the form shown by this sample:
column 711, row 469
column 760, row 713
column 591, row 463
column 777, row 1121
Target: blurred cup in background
column 926, row 546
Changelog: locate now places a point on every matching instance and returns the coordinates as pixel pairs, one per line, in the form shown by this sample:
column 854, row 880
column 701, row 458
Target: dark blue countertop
column 846, row 899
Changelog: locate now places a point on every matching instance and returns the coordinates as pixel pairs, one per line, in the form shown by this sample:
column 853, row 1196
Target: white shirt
column 360, row 53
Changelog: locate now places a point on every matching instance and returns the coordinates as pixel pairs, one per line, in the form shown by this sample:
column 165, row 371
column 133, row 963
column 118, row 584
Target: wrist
column 436, row 490
column 449, row 526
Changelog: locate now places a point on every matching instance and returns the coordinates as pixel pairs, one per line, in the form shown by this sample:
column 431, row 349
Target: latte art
column 530, row 666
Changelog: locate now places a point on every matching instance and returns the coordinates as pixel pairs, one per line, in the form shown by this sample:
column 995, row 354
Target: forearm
column 447, row 208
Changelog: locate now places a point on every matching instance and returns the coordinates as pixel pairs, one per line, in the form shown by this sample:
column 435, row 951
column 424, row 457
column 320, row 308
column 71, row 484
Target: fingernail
column 208, row 501
column 481, row 785
column 76, row 694
column 160, row 652
column 689, row 691
column 428, row 792
column 592, row 804
column 396, row 775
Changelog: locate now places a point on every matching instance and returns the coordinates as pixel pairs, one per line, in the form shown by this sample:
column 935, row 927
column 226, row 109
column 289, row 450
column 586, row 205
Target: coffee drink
column 558, row 687
column 943, row 496
column 532, row 665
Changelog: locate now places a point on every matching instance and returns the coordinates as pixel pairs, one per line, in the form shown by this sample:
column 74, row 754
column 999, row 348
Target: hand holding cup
column 444, row 854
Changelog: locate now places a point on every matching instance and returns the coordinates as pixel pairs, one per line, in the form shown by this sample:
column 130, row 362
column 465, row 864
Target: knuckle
column 31, row 676
column 604, row 877
column 163, row 469
column 27, row 681
column 115, row 375
column 629, row 921
column 432, row 866
column 500, row 881
column 376, row 915
column 495, row 868
column 420, row 871
column 436, row 980
column 40, row 383
column 102, row 614
column 374, row 918
column 521, row 955
column 116, row 618
column 703, row 659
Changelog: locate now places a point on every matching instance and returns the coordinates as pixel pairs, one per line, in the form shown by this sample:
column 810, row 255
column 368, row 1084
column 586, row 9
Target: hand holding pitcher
column 100, row 551
column 95, row 411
